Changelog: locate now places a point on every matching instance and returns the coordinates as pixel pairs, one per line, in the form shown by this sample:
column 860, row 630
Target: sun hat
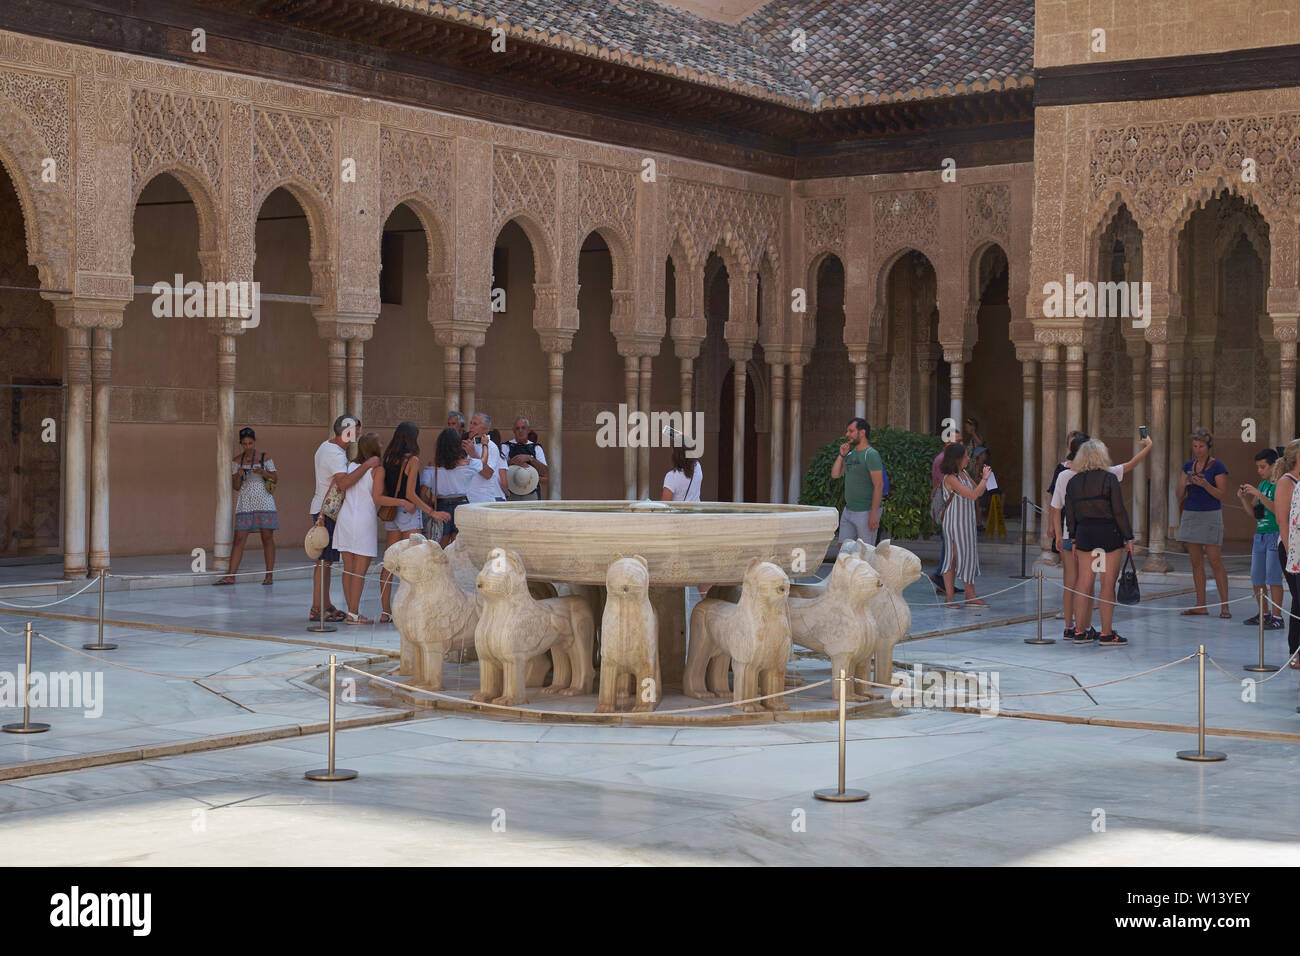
column 521, row 479
column 316, row 542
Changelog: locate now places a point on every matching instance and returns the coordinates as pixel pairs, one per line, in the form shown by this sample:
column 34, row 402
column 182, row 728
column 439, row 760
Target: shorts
column 406, row 521
column 853, row 525
column 1067, row 545
column 329, row 555
column 449, row 527
column 1089, row 536
column 1201, row 527
column 1265, row 569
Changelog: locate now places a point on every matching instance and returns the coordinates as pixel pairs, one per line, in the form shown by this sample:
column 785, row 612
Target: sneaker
column 1112, row 640
column 1086, row 638
column 1272, row 623
column 1069, row 634
column 1254, row 621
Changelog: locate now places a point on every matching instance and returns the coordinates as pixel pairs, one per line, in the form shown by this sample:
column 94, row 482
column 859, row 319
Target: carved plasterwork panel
column 46, row 102
column 414, row 163
column 906, row 219
column 523, row 182
column 823, row 226
column 988, row 214
column 749, row 222
column 170, row 129
column 292, row 146
column 605, row 196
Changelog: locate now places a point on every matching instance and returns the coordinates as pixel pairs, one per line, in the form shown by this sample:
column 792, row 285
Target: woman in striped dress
column 961, row 557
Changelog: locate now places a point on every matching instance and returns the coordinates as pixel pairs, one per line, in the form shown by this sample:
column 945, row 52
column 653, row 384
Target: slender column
column 1274, row 396
column 1074, row 386
column 1093, row 373
column 77, row 349
column 101, row 367
column 1207, row 392
column 860, row 388
column 555, row 439
column 643, row 453
column 776, row 491
column 956, row 385
column 451, row 380
column 688, row 389
column 468, row 373
column 631, row 381
column 224, row 521
column 1286, row 390
column 738, row 434
column 1028, row 433
column 356, row 369
column 926, row 366
column 1137, row 350
column 1159, row 431
column 1051, row 439
column 338, row 378
column 796, row 431
column 1176, row 431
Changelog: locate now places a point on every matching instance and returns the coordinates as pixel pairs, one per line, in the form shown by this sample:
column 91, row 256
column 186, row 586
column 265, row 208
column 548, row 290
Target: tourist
column 356, row 534
column 683, row 482
column 503, row 473
column 457, row 421
column 254, row 504
column 525, row 452
column 445, row 484
column 1202, row 486
column 1265, row 570
column 1095, row 513
column 487, row 483
column 863, row 472
column 961, row 555
column 936, row 484
column 401, row 481
column 331, row 467
column 1071, row 560
column 1286, row 505
column 971, row 435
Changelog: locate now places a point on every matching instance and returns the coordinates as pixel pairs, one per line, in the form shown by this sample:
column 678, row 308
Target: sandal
column 228, row 579
column 1225, row 614
column 977, row 603
column 385, row 617
column 358, row 619
column 334, row 615
column 1295, row 664
column 269, row 579
column 1194, row 612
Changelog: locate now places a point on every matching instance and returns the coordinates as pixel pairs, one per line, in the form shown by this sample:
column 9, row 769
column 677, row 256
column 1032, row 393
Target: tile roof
column 857, row 51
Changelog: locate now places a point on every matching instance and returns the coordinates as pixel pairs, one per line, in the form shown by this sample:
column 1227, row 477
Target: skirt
column 1201, row 527
column 256, row 521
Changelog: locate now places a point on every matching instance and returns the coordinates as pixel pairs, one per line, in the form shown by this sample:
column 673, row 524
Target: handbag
column 268, row 482
column 333, row 502
column 433, row 527
column 1127, row 591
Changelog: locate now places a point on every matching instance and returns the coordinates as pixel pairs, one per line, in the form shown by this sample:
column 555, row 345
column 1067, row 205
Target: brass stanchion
column 319, row 626
column 1040, row 639
column 27, row 727
column 1261, row 667
column 1200, row 754
column 331, row 774
column 841, row 795
column 99, row 645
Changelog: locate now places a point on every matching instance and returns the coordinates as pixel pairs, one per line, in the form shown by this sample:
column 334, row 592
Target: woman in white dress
column 684, row 481
column 254, row 504
column 356, row 533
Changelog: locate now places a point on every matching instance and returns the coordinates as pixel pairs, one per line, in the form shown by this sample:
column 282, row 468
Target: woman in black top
column 401, row 480
column 1098, row 521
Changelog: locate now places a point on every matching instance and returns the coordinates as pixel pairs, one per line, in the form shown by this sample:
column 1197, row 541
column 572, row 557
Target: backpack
column 884, row 493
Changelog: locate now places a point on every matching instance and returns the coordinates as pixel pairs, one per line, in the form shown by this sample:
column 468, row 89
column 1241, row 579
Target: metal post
column 331, row 774
column 99, row 645
column 318, row 626
column 1200, row 754
column 1261, row 667
column 1040, row 639
column 27, row 727
column 841, row 795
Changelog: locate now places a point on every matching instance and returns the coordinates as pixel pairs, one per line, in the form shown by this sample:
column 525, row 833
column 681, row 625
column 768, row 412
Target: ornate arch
column 206, row 208
column 437, row 234
column 620, row 251
column 48, row 208
column 538, row 238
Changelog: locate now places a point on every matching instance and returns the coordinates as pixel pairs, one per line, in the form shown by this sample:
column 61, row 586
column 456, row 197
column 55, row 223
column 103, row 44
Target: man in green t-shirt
column 864, row 483
column 1265, row 568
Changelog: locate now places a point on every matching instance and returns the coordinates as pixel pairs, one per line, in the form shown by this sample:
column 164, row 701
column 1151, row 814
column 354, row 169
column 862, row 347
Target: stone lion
column 838, row 621
column 432, row 612
column 629, row 635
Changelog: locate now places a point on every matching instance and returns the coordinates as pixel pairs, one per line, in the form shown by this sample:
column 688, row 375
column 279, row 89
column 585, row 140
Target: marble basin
column 684, row 543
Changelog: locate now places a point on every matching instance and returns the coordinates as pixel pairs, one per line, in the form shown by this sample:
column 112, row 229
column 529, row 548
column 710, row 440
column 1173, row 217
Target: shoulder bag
column 332, row 502
column 268, row 482
column 938, row 504
column 433, row 527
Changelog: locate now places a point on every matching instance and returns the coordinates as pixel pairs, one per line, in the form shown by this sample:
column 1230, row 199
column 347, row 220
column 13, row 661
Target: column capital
column 740, row 334
column 556, row 341
column 460, row 336
column 1028, row 352
column 82, row 313
column 954, row 354
column 859, row 354
column 1284, row 326
column 637, row 344
column 688, row 333
column 1050, row 332
column 345, row 326
column 740, row 351
column 799, row 357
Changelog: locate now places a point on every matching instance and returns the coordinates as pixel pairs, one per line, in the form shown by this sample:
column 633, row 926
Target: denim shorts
column 1067, row 544
column 406, row 521
column 1265, row 569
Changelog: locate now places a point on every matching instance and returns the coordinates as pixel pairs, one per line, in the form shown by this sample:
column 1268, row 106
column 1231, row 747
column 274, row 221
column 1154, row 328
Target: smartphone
column 1142, row 431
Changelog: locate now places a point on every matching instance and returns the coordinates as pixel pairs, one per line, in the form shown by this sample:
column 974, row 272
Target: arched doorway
column 988, row 397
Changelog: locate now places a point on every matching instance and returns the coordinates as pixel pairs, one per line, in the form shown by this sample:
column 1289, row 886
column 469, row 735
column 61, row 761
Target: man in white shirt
column 331, row 466
column 486, row 485
column 523, row 452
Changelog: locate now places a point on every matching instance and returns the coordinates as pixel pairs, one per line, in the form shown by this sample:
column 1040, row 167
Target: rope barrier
column 551, row 713
column 34, row 607
column 981, row 597
column 190, row 574
column 1172, row 610
column 13, row 633
column 1238, row 680
column 189, row 677
column 1066, row 690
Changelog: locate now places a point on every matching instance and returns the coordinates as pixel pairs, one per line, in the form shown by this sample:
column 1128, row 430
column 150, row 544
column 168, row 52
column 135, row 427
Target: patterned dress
column 1293, row 534
column 255, row 506
column 959, row 542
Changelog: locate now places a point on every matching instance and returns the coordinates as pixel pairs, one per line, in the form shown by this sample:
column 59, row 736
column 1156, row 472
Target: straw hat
column 521, row 479
column 316, row 542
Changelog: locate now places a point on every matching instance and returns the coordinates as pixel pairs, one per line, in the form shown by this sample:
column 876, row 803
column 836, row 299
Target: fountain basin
column 684, row 543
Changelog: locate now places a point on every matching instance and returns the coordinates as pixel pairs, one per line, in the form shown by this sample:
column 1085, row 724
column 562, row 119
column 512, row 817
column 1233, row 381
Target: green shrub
column 907, row 457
